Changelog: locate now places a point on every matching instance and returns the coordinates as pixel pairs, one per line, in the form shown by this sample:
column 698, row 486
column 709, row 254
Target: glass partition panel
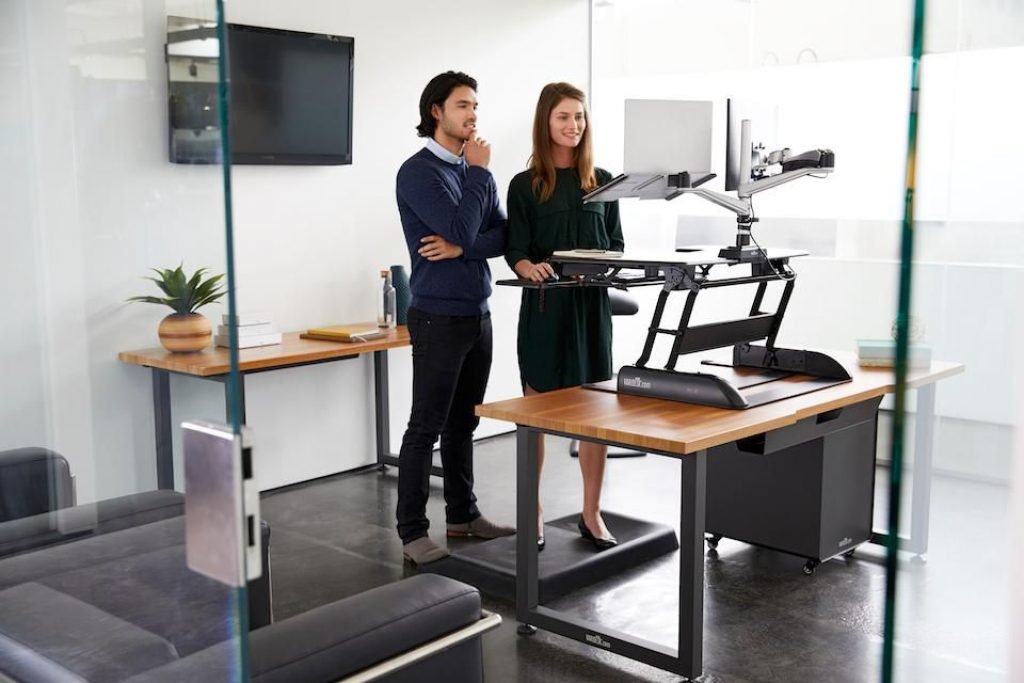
column 839, row 75
column 94, row 582
column 952, row 616
column 809, row 76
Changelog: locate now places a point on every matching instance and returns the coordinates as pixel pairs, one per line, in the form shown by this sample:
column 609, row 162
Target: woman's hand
column 534, row 272
column 437, row 248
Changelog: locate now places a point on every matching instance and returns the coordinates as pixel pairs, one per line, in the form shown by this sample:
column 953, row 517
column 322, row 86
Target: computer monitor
column 764, row 126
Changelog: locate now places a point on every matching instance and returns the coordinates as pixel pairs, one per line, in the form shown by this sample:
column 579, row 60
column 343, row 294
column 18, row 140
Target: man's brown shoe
column 423, row 551
column 481, row 527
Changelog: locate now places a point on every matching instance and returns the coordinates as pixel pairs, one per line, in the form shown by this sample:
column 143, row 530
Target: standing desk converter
column 686, row 432
column 293, row 351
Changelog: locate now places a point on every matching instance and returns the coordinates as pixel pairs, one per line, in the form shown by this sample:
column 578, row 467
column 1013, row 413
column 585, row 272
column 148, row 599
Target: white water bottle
column 386, row 306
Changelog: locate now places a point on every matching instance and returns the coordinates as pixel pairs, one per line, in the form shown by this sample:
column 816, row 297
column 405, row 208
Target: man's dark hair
column 436, row 92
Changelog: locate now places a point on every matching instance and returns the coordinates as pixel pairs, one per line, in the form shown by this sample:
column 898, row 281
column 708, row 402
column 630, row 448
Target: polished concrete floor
column 765, row 621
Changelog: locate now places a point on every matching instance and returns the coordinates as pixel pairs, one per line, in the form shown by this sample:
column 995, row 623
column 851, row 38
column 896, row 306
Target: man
column 453, row 222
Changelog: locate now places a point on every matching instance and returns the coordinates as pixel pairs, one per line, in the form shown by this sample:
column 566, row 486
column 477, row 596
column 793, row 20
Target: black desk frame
column 687, row 658
column 164, row 430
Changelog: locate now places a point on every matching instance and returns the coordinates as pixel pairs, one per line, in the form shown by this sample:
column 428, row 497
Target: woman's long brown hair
column 542, row 165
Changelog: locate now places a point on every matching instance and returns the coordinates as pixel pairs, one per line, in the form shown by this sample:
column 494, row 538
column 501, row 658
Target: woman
column 565, row 334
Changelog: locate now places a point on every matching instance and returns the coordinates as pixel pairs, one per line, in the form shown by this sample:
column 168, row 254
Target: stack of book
column 254, row 329
column 881, row 353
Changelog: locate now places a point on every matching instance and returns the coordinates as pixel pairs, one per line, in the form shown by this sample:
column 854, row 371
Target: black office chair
column 33, row 481
column 622, row 303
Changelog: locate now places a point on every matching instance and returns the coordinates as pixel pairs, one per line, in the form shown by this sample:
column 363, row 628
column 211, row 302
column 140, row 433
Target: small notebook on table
column 344, row 333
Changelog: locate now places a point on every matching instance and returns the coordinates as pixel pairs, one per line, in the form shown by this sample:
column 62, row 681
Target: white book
column 882, row 353
column 248, row 342
column 248, row 330
column 247, row 318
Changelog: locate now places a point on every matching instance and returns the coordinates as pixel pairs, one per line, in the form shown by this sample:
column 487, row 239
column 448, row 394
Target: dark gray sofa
column 102, row 593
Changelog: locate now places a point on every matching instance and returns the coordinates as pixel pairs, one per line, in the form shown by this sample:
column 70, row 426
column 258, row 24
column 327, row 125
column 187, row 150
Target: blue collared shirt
column 443, row 154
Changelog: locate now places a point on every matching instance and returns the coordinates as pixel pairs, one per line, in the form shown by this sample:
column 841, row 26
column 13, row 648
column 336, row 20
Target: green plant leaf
column 209, row 300
column 161, row 281
column 152, row 300
column 185, row 293
column 177, row 281
column 207, row 289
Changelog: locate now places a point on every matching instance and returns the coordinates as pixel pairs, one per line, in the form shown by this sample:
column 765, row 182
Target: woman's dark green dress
column 565, row 334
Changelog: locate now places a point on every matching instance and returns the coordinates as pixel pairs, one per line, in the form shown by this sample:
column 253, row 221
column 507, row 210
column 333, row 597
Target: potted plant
column 184, row 330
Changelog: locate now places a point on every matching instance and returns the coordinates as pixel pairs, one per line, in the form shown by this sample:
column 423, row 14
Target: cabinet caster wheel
column 526, row 630
column 849, row 554
column 712, row 541
column 810, row 566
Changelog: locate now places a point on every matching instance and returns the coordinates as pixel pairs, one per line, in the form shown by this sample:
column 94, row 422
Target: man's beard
column 462, row 133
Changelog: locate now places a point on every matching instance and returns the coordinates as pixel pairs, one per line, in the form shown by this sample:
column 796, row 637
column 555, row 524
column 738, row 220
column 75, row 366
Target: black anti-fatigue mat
column 568, row 563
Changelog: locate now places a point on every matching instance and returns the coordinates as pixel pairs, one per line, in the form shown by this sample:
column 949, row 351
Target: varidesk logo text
column 636, row 382
column 595, row 639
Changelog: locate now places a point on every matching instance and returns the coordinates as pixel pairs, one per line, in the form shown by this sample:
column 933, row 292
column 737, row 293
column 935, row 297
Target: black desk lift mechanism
column 591, row 269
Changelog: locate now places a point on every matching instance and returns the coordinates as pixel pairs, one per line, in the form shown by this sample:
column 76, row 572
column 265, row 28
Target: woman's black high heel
column 599, row 543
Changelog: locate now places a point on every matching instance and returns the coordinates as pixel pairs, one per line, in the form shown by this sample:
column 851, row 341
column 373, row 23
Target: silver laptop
column 667, row 136
column 662, row 137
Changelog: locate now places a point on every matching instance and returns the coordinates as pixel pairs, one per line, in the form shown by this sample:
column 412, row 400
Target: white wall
column 92, row 203
column 331, row 229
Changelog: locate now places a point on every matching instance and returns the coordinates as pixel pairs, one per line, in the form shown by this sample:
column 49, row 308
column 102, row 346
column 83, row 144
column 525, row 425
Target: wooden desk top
column 292, row 350
column 681, row 428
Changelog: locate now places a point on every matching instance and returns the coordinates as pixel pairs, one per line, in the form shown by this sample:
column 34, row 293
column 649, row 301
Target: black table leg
column 382, row 407
column 381, row 403
column 162, row 428
column 691, row 563
column 527, row 443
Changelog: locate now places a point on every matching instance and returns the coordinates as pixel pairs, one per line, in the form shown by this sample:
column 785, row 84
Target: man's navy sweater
column 460, row 204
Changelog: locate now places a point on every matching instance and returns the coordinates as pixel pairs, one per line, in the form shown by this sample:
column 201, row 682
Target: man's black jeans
column 451, row 361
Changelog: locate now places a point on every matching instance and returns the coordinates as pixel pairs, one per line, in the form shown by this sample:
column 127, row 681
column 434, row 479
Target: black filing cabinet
column 805, row 489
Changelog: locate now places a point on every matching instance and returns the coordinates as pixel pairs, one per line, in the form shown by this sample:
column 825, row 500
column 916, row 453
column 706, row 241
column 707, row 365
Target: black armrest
column 33, row 481
column 348, row 636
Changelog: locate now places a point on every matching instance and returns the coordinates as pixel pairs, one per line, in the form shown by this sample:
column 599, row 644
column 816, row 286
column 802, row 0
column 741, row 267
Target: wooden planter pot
column 185, row 332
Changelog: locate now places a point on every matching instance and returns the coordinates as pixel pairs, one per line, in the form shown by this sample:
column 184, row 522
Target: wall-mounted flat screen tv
column 290, row 96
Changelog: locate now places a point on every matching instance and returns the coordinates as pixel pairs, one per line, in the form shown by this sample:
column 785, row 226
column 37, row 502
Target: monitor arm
column 792, row 167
